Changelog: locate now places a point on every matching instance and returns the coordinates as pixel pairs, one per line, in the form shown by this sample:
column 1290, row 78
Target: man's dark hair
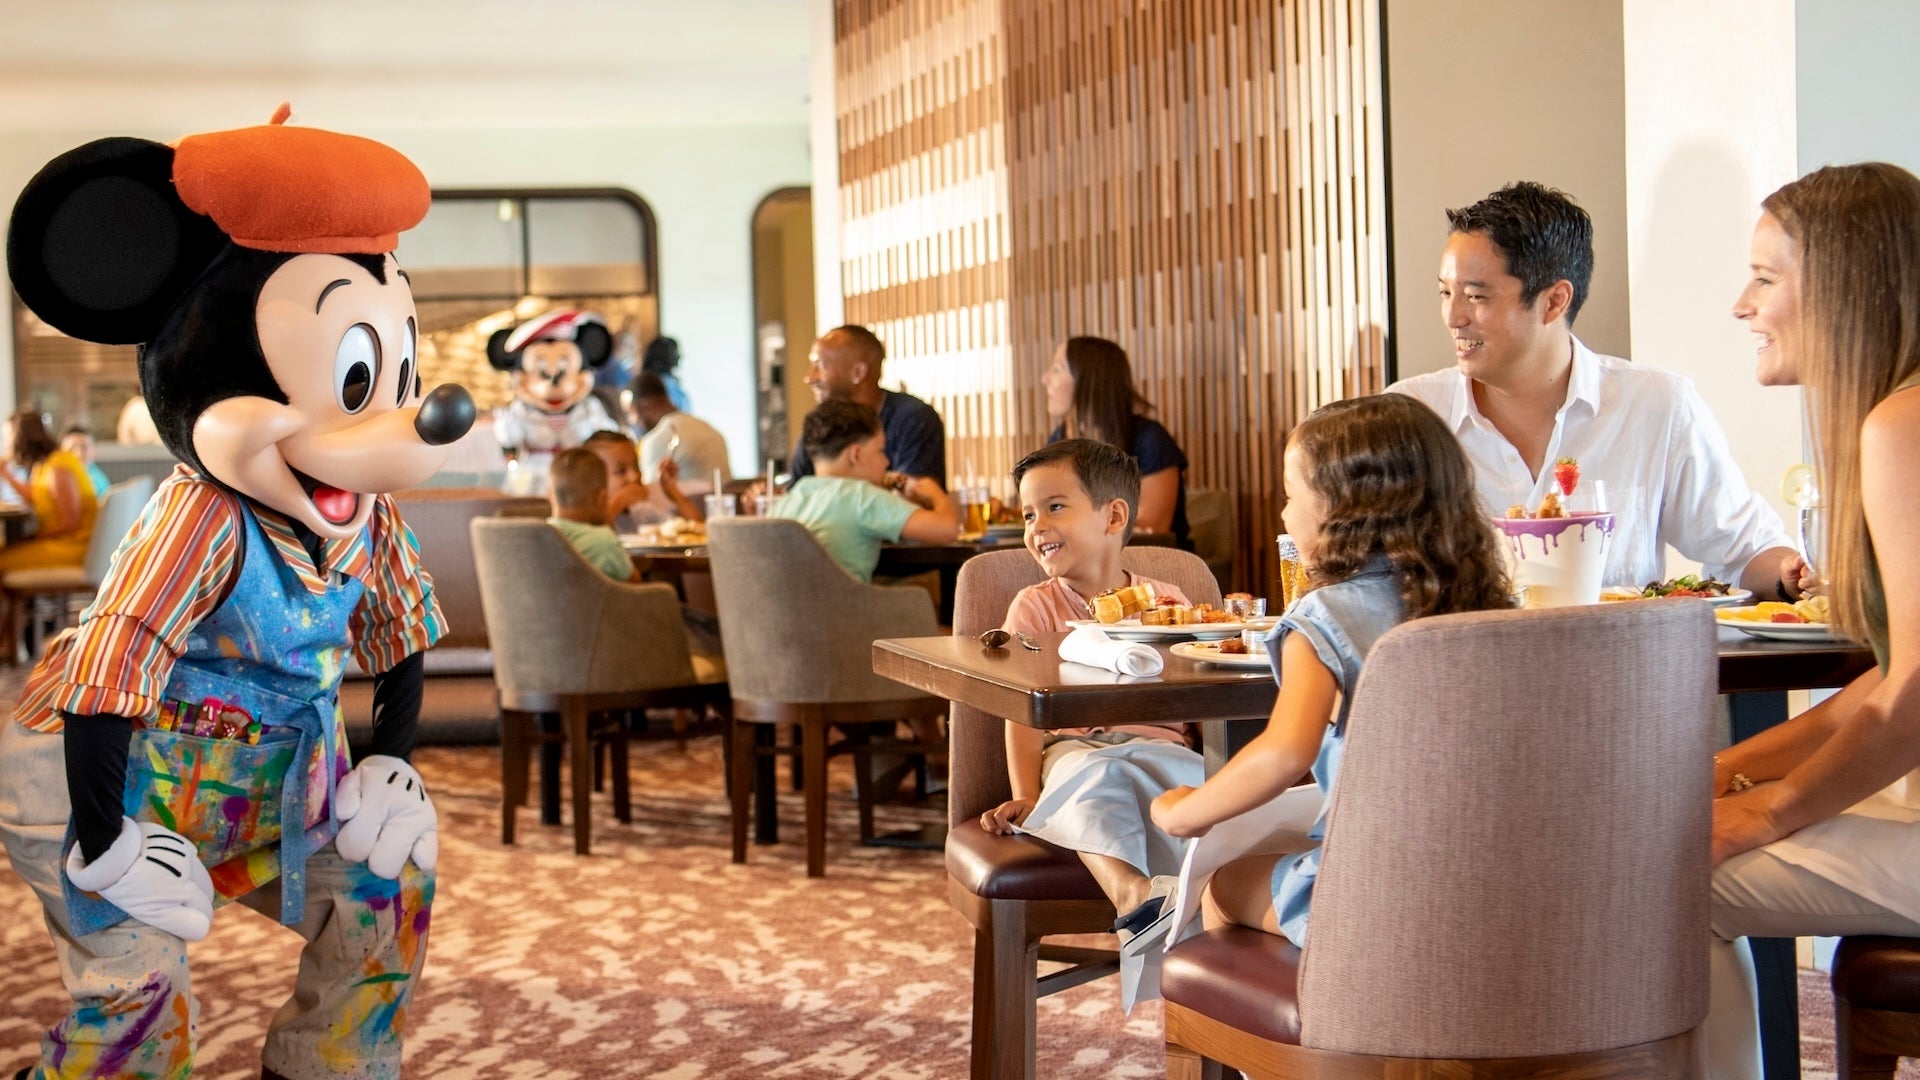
column 649, row 385
column 662, row 355
column 1106, row 472
column 1543, row 233
column 834, row 425
column 865, row 341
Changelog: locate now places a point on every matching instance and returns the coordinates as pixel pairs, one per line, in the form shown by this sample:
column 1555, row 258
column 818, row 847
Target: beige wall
column 1484, row 92
column 1705, row 144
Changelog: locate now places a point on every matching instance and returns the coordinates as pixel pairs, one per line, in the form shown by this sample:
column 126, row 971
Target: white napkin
column 1092, row 646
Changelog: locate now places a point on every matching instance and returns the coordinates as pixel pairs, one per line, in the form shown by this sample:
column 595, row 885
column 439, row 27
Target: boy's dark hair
column 1543, row 233
column 576, row 478
column 604, row 436
column 77, row 429
column 1106, row 472
column 649, row 385
column 834, row 425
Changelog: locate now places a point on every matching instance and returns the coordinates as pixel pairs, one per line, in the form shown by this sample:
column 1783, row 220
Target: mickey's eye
column 356, row 363
column 408, row 383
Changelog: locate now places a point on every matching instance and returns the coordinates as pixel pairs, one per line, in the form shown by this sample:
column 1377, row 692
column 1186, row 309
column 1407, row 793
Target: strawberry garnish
column 1566, row 473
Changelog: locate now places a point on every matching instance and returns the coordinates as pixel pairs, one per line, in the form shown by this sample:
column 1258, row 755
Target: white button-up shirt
column 1670, row 478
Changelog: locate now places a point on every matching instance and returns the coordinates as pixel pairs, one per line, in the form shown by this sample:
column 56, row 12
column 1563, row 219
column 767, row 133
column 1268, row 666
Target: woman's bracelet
column 1738, row 781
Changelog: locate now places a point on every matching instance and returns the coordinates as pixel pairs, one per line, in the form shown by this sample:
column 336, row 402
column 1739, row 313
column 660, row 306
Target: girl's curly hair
column 1397, row 484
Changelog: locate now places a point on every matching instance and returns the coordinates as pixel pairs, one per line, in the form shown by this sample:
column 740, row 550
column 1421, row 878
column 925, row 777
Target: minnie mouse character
column 553, row 359
column 183, row 747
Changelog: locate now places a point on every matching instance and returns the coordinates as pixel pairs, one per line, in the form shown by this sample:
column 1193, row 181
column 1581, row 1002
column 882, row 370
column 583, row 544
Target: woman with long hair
column 1090, row 394
column 1816, row 822
column 56, row 489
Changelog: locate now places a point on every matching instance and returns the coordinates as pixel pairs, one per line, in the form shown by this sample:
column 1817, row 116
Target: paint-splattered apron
column 254, row 811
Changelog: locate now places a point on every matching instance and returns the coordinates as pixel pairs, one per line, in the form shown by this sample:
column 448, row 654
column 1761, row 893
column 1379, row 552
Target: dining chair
column 1876, row 1006
column 1016, row 890
column 801, row 630
column 569, row 641
column 120, row 506
column 1515, row 872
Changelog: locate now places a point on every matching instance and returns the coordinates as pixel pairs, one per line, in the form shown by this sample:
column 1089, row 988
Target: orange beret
column 278, row 188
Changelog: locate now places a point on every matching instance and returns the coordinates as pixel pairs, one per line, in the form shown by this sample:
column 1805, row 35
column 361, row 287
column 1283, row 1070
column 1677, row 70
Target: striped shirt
column 178, row 564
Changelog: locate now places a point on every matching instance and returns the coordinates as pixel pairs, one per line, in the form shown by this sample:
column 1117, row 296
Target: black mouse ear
column 101, row 247
column 595, row 343
column 497, row 353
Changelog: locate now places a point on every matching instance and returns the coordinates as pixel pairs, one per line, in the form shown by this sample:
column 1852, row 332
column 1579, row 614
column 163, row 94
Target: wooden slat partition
column 1200, row 180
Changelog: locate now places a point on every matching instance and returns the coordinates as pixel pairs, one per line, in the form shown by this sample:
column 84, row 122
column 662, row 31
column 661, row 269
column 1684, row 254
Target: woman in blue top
column 1380, row 500
column 1090, row 393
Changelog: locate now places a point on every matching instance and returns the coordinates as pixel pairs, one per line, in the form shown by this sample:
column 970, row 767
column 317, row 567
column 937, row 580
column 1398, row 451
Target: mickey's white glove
column 388, row 817
column 153, row 874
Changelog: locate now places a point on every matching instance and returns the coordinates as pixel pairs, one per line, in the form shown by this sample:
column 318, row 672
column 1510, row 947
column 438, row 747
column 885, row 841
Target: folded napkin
column 1092, row 646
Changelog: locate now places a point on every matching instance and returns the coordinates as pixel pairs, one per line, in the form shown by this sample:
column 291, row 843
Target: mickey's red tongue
column 335, row 505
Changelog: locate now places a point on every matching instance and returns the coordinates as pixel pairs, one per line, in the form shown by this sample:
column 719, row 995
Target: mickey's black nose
column 445, row 414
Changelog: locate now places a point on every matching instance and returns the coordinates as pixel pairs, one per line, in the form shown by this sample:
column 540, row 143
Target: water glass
column 763, row 504
column 721, row 506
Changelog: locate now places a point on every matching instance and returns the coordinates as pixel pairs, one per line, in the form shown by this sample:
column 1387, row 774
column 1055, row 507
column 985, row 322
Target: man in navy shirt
column 845, row 365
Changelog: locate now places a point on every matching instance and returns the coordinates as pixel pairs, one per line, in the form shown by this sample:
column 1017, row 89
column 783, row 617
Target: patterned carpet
column 655, row 957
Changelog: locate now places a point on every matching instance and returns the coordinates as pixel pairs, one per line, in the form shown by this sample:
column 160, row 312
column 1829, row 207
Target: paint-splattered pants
column 133, row 1009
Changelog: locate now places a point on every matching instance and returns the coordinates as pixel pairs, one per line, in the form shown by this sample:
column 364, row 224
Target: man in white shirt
column 700, row 450
column 1526, row 393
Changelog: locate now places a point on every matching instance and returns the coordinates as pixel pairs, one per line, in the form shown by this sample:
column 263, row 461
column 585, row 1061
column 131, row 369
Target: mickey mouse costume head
column 183, row 746
column 279, row 343
column 553, row 359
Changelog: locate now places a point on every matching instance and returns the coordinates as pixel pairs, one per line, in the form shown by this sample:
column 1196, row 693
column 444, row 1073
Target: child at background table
column 581, row 499
column 1380, row 500
column 1089, row 789
column 852, row 504
column 629, row 501
column 78, row 441
column 577, row 492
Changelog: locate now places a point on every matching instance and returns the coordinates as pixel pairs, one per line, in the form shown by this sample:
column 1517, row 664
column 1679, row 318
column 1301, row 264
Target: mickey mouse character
column 183, row 747
column 553, row 359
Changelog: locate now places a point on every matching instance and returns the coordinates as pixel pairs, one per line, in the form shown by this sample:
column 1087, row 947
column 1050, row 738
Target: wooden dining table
column 1040, row 690
column 673, row 562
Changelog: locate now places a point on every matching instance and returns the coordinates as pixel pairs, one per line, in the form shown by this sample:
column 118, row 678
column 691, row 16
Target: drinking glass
column 763, row 504
column 1293, row 573
column 974, row 504
column 721, row 506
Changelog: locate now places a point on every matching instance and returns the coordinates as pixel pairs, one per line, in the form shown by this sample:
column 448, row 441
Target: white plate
column 1776, row 631
column 1208, row 652
column 1133, row 630
column 1734, row 597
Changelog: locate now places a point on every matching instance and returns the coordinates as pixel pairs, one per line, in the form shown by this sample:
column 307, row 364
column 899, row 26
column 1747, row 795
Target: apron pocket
column 222, row 794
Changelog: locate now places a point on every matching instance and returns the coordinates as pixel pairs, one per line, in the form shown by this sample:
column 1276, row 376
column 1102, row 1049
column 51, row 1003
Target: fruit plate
column 1134, row 630
column 1208, row 652
column 1774, row 631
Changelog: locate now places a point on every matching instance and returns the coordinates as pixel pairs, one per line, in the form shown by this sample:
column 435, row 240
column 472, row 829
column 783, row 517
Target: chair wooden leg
column 1006, row 965
column 813, row 765
column 617, row 761
column 513, row 769
column 1184, row 1064
column 863, row 786
column 573, row 714
column 742, row 736
column 1860, row 1051
column 599, row 765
